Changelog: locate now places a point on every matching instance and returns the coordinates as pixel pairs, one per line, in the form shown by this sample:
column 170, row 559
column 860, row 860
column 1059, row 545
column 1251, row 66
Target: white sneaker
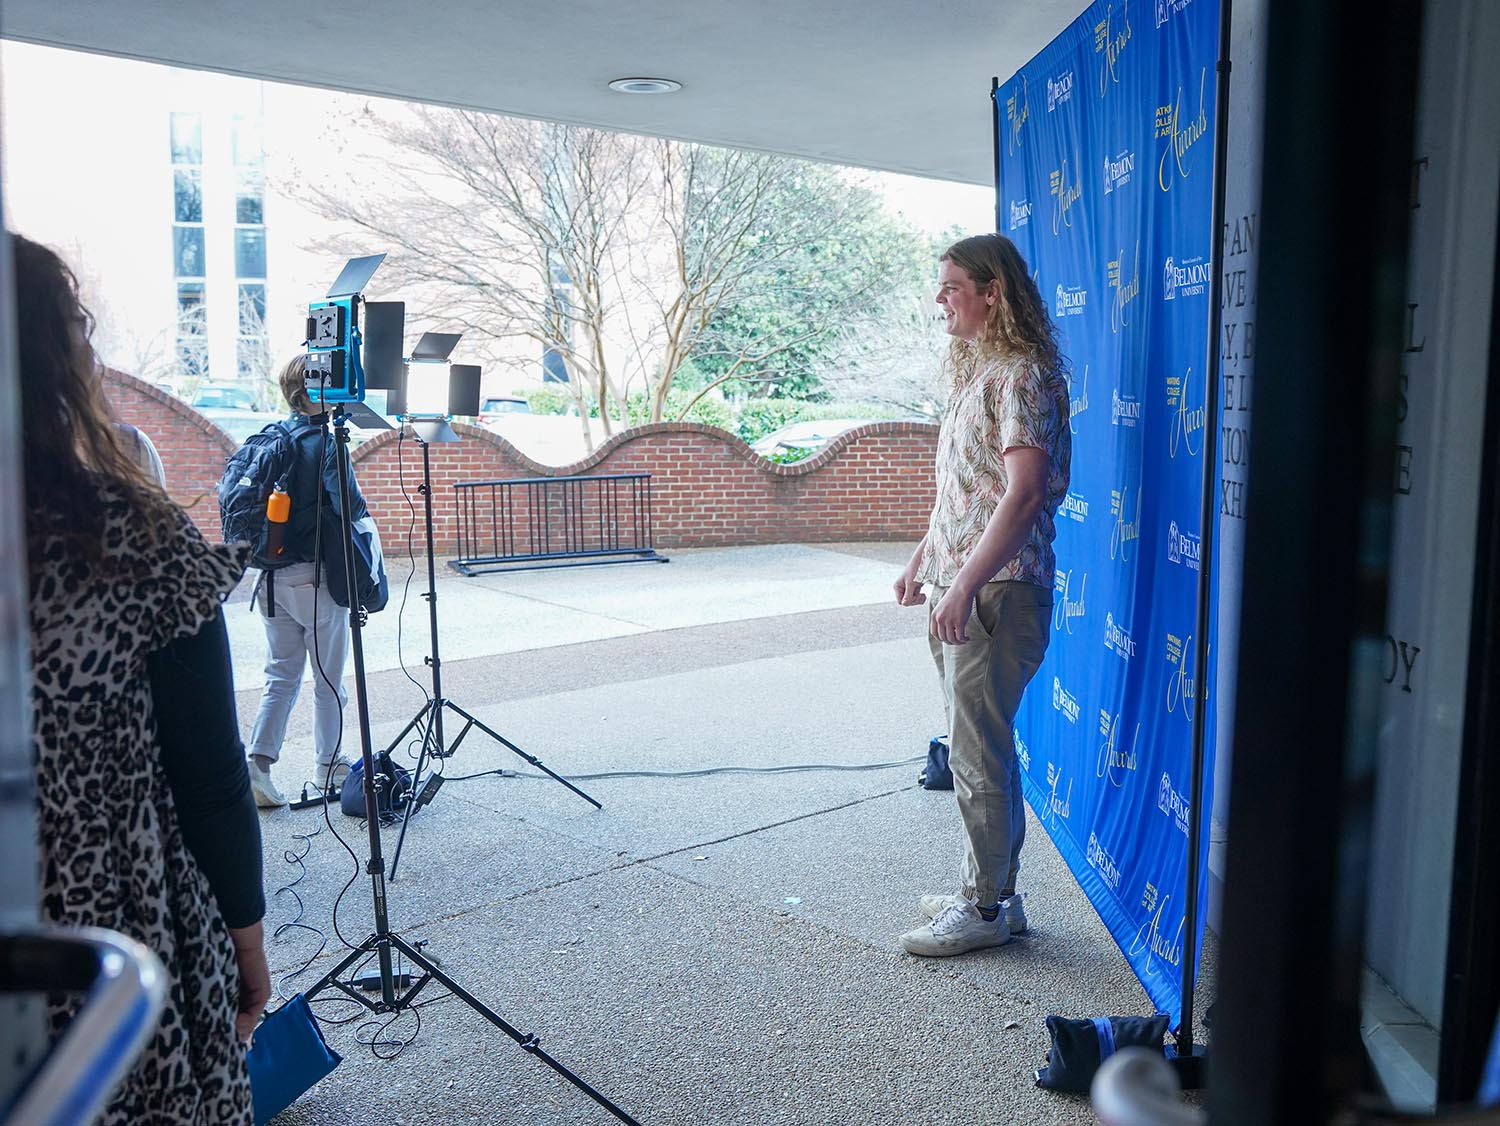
column 326, row 779
column 956, row 929
column 1014, row 910
column 267, row 796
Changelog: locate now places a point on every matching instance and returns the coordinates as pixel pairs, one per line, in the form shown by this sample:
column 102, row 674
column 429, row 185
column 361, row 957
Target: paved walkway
column 712, row 948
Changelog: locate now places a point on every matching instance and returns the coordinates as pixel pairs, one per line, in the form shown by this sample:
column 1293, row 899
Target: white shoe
column 267, row 796
column 956, row 929
column 330, row 776
column 1013, row 909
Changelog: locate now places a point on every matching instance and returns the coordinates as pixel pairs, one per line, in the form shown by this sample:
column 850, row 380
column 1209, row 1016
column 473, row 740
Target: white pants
column 307, row 623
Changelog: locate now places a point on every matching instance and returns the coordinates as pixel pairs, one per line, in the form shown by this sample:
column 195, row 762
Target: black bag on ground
column 1080, row 1046
column 390, row 799
column 936, row 775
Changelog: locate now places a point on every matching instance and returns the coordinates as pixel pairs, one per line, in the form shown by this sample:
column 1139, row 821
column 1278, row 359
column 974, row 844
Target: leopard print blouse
column 112, row 851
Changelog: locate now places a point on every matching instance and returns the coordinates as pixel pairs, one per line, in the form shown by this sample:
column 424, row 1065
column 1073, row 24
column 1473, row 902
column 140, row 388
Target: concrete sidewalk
column 718, row 948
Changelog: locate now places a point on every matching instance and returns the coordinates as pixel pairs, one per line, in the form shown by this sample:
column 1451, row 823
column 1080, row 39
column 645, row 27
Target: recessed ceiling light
column 644, row 86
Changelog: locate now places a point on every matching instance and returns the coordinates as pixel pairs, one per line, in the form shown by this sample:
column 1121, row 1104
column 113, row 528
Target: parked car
column 496, row 407
column 239, row 424
column 224, row 396
column 810, row 437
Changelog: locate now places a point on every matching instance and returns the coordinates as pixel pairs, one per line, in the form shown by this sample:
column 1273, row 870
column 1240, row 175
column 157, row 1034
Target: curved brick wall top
column 708, row 488
column 193, row 450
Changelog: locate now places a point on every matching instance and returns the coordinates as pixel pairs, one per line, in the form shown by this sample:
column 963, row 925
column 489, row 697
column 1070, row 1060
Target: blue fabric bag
column 287, row 1056
column 936, row 775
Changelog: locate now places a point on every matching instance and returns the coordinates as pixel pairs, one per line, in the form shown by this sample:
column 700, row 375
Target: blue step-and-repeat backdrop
column 1105, row 182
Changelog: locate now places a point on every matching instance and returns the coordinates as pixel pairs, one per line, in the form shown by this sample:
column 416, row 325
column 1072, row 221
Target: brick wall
column 708, row 488
column 193, row 450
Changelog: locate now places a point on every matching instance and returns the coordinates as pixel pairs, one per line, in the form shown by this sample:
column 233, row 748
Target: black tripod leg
column 534, row 761
column 527, row 1041
column 416, row 779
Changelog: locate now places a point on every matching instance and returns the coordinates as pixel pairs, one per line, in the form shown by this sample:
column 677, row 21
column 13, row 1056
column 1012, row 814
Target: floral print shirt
column 1002, row 403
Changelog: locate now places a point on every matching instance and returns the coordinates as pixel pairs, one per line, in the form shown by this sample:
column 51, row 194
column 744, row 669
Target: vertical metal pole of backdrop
column 1189, row 1072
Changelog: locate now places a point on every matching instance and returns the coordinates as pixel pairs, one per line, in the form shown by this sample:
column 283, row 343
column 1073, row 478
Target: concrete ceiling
column 900, row 85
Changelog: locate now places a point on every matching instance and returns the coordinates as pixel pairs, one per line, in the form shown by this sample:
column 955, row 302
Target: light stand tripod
column 383, row 941
column 429, row 719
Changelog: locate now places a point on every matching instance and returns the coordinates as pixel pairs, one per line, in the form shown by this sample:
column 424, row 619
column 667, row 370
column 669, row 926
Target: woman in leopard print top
column 145, row 819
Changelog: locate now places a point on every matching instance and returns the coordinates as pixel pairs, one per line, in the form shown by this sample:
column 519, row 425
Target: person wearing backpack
column 301, row 591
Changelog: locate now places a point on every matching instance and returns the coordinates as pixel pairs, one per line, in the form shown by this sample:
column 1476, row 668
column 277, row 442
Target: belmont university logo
column 1020, row 213
column 1187, row 278
column 1101, row 861
column 1117, row 170
column 1183, row 548
column 1064, row 701
column 1069, row 301
column 1117, row 639
column 1166, row 9
column 1074, row 507
column 1059, row 90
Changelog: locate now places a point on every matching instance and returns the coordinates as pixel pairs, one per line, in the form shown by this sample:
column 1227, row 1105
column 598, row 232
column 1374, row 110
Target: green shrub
column 789, row 454
column 758, row 417
column 546, row 399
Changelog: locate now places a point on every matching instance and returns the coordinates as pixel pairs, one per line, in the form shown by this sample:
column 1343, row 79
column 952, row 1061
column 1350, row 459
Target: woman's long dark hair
column 70, row 443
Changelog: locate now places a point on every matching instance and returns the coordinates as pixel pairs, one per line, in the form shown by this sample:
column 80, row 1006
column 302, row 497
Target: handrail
column 125, row 986
column 1137, row 1087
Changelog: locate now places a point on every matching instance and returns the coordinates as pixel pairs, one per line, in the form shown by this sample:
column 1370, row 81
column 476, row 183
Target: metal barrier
column 124, row 986
column 537, row 522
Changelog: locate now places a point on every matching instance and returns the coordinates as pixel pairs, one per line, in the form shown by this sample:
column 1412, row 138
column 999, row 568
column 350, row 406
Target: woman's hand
column 255, row 977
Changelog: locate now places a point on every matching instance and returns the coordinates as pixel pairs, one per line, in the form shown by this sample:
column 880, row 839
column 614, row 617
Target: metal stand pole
column 384, row 941
column 430, row 718
column 1186, row 1058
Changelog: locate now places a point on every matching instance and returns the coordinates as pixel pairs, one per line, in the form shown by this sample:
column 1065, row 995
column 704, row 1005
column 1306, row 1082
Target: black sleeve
column 192, row 689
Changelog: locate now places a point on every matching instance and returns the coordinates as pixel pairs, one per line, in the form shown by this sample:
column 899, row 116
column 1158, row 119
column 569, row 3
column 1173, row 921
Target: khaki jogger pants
column 1008, row 631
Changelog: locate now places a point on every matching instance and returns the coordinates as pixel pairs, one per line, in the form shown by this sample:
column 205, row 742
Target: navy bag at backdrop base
column 287, row 1056
column 1105, row 146
column 936, row 774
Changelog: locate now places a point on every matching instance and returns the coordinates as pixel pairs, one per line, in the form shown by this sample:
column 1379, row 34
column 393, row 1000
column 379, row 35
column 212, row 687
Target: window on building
column 250, row 252
column 188, row 195
column 187, row 138
column 250, row 197
column 252, row 308
column 245, row 140
column 187, row 251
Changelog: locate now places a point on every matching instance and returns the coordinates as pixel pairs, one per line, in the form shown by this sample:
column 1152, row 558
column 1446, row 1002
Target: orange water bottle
column 278, row 511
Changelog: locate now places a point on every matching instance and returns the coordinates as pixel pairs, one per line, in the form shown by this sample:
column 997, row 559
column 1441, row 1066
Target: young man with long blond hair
column 1003, row 458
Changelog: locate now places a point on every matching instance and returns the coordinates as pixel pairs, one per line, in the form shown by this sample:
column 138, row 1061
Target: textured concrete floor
column 712, row 949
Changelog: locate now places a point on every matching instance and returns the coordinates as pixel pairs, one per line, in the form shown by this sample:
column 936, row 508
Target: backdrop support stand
column 1186, row 1058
